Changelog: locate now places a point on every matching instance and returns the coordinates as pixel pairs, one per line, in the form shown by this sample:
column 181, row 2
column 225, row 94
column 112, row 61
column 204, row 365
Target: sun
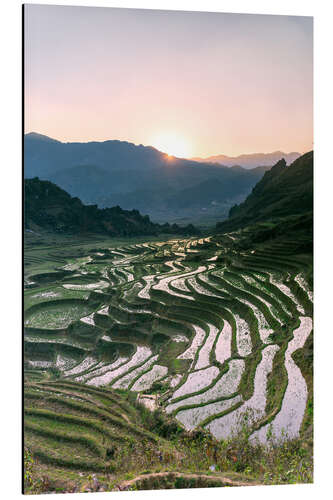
column 173, row 144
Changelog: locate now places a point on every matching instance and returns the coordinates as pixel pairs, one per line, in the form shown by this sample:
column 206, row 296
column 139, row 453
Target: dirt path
column 124, row 485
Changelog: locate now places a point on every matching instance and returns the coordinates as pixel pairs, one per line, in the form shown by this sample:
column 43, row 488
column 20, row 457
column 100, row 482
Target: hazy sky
column 195, row 84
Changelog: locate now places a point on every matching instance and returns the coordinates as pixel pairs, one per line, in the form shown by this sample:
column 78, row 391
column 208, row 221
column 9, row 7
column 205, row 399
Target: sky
column 192, row 84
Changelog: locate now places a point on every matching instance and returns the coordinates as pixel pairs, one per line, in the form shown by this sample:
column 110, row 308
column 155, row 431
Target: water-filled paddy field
column 211, row 333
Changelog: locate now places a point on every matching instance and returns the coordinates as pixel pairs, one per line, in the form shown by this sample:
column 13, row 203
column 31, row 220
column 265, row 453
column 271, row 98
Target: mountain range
column 139, row 177
column 251, row 160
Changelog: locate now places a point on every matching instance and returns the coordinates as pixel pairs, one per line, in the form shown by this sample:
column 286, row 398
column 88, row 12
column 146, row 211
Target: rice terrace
column 167, row 326
column 169, row 362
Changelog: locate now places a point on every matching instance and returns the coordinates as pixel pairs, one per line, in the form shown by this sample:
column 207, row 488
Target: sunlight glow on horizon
column 173, row 144
column 166, row 148
column 191, row 84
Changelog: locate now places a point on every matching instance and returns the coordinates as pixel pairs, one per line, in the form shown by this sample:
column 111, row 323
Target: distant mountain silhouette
column 135, row 177
column 40, row 137
column 251, row 160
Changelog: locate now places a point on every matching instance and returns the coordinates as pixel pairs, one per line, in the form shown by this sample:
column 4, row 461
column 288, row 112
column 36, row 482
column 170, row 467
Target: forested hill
column 49, row 207
column 283, row 191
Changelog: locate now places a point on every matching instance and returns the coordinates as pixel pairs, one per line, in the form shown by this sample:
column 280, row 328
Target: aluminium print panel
column 168, row 249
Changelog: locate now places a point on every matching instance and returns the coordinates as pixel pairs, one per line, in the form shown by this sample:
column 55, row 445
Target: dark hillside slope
column 282, row 192
column 49, row 207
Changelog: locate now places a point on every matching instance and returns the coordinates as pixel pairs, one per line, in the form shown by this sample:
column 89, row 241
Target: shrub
column 28, row 469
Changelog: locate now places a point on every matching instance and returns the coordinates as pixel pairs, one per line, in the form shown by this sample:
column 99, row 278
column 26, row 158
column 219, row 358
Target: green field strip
column 201, row 391
column 201, row 346
column 197, row 313
column 134, row 305
column 78, row 421
column 203, row 306
column 65, row 435
column 33, row 391
column 134, row 315
column 277, row 296
column 212, row 354
column 121, row 315
column 132, row 369
column 277, row 383
column 149, row 369
column 96, row 370
column 51, row 276
column 54, row 340
column 51, row 451
column 249, row 264
column 288, row 301
column 168, row 356
column 44, row 332
column 169, row 326
column 246, row 386
column 104, row 393
column 103, row 321
column 82, row 278
column 303, row 358
column 44, row 391
column 130, row 334
column 84, row 409
column 114, row 278
column 200, row 316
column 45, row 294
column 178, row 290
column 212, row 398
column 265, row 263
column 278, row 256
column 215, row 416
column 242, row 293
column 205, row 403
column 209, row 286
column 301, row 296
column 63, row 393
column 122, row 279
column 244, row 312
column 141, row 373
column 251, row 294
column 277, row 380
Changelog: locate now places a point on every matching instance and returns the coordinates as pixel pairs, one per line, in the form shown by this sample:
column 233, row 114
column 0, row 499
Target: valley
column 207, row 335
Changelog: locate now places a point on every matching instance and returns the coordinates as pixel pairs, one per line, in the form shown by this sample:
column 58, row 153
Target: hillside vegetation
column 49, row 207
column 282, row 192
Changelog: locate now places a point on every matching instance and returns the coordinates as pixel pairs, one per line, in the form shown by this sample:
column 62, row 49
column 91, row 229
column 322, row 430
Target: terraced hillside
column 208, row 334
column 93, row 439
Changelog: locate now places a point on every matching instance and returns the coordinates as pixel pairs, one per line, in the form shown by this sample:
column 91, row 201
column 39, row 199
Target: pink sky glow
column 203, row 82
